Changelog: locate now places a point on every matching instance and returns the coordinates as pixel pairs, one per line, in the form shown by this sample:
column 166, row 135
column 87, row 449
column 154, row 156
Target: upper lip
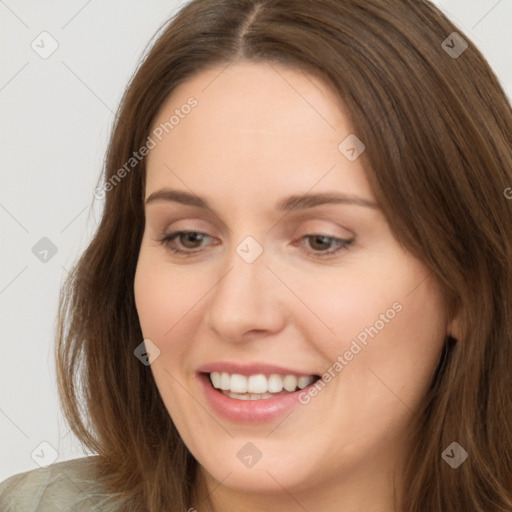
column 250, row 369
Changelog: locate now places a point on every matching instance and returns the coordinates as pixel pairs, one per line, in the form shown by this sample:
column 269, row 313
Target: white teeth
column 275, row 383
column 304, row 382
column 290, row 383
column 239, row 396
column 248, row 396
column 238, row 383
column 216, row 380
column 259, row 386
column 225, row 381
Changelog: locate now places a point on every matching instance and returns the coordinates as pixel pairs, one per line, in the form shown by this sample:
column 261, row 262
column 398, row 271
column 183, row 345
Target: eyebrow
column 295, row 202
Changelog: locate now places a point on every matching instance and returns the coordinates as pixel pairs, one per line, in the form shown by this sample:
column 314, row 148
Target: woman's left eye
column 323, row 240
column 189, row 240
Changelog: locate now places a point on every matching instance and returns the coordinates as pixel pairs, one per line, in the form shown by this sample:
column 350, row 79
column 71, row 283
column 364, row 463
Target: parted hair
column 438, row 134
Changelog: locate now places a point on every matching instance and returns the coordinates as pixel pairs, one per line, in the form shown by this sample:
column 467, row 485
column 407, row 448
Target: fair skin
column 258, row 134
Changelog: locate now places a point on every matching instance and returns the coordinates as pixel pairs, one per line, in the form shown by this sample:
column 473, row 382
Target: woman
column 299, row 294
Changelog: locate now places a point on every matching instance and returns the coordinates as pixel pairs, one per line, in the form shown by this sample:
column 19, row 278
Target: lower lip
column 250, row 411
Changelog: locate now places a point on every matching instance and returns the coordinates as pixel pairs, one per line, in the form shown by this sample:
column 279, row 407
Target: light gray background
column 56, row 114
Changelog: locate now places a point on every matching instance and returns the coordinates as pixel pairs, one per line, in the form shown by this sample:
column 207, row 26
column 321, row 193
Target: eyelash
column 167, row 241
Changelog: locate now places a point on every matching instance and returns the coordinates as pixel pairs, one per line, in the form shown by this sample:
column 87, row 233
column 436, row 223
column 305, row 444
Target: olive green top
column 68, row 486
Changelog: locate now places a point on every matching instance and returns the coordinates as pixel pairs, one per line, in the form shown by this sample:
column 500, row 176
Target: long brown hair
column 438, row 134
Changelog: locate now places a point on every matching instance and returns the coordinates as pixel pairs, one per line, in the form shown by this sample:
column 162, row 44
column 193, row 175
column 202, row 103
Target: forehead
column 256, row 128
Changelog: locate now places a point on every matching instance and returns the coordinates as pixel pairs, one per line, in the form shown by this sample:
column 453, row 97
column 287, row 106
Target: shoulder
column 64, row 486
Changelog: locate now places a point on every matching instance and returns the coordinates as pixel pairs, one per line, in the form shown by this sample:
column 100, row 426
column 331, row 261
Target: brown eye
column 188, row 241
column 321, row 244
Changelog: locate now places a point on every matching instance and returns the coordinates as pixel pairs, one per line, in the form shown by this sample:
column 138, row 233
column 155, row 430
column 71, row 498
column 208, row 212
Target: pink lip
column 249, row 411
column 249, row 369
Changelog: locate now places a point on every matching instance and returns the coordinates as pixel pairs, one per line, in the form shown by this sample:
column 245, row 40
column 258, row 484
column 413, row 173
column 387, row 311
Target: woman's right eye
column 184, row 238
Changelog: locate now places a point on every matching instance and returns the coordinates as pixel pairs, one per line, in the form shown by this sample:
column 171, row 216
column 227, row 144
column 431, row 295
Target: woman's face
column 297, row 289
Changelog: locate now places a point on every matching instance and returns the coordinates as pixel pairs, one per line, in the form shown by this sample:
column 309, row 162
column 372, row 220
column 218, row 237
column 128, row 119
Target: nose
column 247, row 301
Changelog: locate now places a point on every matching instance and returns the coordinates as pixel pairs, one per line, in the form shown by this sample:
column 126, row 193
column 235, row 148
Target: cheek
column 169, row 299
column 389, row 326
column 151, row 298
column 160, row 300
column 390, row 359
column 347, row 301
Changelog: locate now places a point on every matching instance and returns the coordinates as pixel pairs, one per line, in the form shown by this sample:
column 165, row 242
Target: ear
column 453, row 328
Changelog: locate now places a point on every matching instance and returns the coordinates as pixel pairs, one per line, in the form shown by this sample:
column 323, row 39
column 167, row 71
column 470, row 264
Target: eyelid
column 322, row 230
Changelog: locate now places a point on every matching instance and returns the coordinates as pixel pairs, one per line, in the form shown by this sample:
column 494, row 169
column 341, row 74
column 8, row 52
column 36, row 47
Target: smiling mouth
column 258, row 386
